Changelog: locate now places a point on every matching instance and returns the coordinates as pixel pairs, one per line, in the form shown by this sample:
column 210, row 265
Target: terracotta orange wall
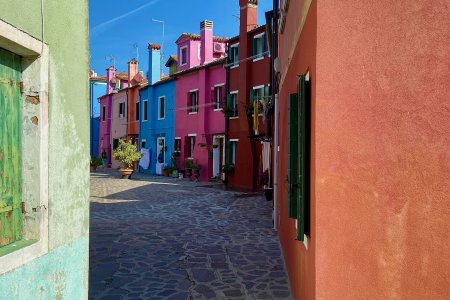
column 382, row 159
column 300, row 262
column 133, row 97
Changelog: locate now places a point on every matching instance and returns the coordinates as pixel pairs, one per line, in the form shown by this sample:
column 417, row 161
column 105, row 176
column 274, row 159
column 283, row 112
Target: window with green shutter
column 299, row 157
column 11, row 219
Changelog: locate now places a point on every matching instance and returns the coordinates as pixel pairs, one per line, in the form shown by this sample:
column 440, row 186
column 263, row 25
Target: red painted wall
column 380, row 164
column 133, row 97
column 243, row 78
column 300, row 262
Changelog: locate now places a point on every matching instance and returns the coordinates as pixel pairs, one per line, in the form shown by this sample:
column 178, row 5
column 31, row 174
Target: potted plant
column 167, row 170
column 196, row 168
column 188, row 167
column 174, row 162
column 95, row 163
column 128, row 154
column 228, row 168
column 203, row 145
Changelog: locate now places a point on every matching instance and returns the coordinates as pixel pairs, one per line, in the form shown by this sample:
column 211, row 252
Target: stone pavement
column 163, row 238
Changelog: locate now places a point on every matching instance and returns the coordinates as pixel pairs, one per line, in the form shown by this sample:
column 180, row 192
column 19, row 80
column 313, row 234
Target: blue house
column 157, row 107
column 97, row 87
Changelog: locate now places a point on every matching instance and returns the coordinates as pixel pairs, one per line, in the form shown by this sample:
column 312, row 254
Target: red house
column 364, row 142
column 248, row 97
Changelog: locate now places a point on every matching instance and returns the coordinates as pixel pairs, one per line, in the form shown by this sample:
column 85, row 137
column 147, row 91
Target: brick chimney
column 132, row 70
column 110, row 75
column 206, row 42
column 249, row 15
column 154, row 63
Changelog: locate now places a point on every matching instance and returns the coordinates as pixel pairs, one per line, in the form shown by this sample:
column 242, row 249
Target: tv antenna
column 136, row 47
column 162, row 44
column 112, row 60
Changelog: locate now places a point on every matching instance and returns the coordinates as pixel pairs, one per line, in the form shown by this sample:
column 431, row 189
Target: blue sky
column 115, row 26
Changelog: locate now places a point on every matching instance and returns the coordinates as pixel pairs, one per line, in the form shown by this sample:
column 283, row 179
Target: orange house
column 364, row 135
column 135, row 78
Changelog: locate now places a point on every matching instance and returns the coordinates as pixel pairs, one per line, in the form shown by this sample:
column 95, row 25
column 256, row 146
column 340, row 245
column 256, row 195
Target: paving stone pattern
column 163, row 238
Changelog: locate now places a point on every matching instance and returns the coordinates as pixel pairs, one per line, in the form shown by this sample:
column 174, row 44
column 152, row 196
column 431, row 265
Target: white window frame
column 177, row 139
column 234, row 143
column 144, row 103
column 215, row 95
column 237, row 103
column 190, row 106
column 259, row 87
column 35, row 77
column 192, row 135
column 122, row 116
column 199, row 51
column 159, row 108
column 259, row 36
column 143, row 141
column 235, row 63
column 181, row 56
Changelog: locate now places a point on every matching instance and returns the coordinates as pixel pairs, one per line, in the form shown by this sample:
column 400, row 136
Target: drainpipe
column 227, row 118
column 92, row 115
column 128, row 116
column 276, row 125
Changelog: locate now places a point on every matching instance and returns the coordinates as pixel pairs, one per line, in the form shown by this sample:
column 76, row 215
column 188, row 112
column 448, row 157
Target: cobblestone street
column 164, row 238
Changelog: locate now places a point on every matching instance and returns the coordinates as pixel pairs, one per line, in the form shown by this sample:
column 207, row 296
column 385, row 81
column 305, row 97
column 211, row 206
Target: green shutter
column 230, row 55
column 293, row 156
column 304, row 158
column 228, row 107
column 266, row 93
column 10, row 149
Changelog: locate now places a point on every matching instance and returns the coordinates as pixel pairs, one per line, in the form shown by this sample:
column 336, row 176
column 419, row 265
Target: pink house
column 114, row 82
column 200, row 96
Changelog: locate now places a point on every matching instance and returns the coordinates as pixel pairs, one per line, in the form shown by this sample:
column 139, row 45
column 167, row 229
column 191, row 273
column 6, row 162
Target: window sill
column 218, row 109
column 143, row 121
column 161, row 119
column 234, row 118
column 258, row 59
column 193, row 113
column 234, row 67
column 5, row 250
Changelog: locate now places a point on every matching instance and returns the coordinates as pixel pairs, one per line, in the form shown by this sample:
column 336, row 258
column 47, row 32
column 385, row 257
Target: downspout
column 227, row 118
column 128, row 115
column 92, row 115
column 276, row 125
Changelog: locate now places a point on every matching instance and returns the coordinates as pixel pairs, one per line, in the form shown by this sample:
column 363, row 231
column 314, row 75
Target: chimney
column 154, row 63
column 249, row 15
column 206, row 40
column 132, row 70
column 110, row 75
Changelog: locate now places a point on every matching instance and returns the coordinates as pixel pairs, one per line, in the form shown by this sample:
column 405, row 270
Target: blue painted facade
column 155, row 128
column 96, row 90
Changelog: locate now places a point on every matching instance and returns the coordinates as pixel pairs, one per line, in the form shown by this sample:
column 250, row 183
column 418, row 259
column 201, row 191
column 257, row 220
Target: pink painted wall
column 193, row 53
column 105, row 127
column 206, row 121
column 118, row 125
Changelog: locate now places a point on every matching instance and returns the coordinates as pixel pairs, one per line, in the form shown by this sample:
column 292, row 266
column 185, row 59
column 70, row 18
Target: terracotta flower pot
column 126, row 173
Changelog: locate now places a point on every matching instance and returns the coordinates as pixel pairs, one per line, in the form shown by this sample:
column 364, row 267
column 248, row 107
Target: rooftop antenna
column 162, row 44
column 136, row 46
column 112, row 60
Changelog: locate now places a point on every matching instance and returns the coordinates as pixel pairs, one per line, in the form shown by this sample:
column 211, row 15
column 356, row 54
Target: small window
column 145, row 111
column 233, row 145
column 233, row 105
column 104, row 113
column 218, row 92
column 189, row 146
column 161, row 108
column 183, row 56
column 143, row 143
column 115, row 144
column 122, row 110
column 177, row 145
column 193, row 102
column 258, row 47
column 137, row 111
column 233, row 55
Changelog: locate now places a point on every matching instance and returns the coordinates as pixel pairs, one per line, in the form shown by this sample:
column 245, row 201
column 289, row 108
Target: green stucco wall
column 61, row 273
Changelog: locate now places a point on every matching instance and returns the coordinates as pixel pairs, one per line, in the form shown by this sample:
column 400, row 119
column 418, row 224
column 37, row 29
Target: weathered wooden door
column 10, row 149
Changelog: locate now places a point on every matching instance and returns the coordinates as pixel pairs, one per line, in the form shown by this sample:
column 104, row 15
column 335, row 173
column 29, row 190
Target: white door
column 218, row 154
